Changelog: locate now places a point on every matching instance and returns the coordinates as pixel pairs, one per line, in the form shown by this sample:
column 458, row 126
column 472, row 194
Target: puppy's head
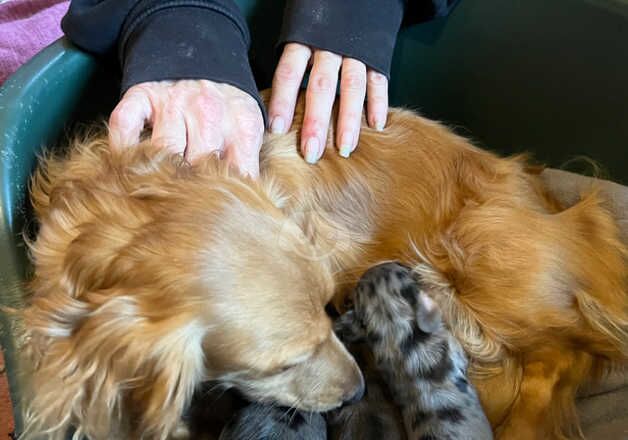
column 150, row 278
column 390, row 291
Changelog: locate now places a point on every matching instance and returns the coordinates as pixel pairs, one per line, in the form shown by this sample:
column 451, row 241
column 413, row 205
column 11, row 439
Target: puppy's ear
column 428, row 314
column 349, row 329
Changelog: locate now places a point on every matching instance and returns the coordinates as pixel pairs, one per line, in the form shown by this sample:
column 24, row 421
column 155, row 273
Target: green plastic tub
column 548, row 77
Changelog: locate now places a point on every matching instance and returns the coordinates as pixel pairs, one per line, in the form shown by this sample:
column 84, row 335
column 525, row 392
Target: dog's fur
column 151, row 276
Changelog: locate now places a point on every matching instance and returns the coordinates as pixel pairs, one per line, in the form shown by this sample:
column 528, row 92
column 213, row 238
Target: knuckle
column 349, row 117
column 278, row 106
column 286, row 72
column 146, row 91
column 169, row 112
column 296, row 48
column 208, row 88
column 143, row 89
column 251, row 130
column 120, row 119
column 322, row 83
column 208, row 108
column 326, row 56
column 353, row 81
column 294, row 51
column 377, row 79
column 312, row 126
column 210, row 134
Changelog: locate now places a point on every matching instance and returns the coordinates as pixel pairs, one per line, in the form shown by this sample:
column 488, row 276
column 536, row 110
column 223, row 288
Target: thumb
column 128, row 119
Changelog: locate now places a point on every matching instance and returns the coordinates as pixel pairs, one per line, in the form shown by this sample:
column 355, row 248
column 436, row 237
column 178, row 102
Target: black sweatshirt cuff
column 362, row 29
column 420, row 11
column 180, row 40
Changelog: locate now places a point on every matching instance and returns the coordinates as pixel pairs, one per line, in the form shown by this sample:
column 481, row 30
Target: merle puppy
column 422, row 363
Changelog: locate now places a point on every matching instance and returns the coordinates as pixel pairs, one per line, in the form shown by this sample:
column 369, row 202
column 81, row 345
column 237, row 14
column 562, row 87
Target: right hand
column 357, row 83
column 193, row 118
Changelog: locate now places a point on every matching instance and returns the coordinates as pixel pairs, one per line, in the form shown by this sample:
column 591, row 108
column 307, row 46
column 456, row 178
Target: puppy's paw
column 349, row 329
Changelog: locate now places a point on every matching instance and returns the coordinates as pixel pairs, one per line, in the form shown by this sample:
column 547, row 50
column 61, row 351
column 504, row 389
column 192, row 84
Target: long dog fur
column 118, row 334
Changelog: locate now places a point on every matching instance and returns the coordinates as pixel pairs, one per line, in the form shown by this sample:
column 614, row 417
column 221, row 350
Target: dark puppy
column 265, row 422
column 374, row 417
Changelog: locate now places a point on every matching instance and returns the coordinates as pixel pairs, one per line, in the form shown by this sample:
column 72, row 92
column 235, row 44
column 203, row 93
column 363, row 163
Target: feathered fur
column 152, row 275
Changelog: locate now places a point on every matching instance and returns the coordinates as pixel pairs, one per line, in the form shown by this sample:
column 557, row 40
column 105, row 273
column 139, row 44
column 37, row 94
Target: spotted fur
column 421, row 362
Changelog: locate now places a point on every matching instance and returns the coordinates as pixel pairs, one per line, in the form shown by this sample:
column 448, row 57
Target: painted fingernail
column 311, row 150
column 379, row 125
column 346, row 144
column 277, row 125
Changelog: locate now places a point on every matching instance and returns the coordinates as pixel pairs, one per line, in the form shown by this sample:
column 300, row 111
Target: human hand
column 193, row 118
column 356, row 82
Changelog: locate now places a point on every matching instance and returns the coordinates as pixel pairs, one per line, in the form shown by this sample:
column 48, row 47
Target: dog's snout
column 356, row 395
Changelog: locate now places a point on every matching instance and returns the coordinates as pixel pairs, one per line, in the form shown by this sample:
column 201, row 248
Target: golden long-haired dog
column 152, row 276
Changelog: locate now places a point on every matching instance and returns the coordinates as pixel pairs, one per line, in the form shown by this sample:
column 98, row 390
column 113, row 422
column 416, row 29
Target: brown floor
column 6, row 414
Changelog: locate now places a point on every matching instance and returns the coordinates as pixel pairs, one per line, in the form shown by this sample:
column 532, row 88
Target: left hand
column 357, row 82
column 192, row 118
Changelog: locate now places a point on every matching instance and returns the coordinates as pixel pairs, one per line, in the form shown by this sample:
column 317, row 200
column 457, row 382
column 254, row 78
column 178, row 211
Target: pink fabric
column 26, row 27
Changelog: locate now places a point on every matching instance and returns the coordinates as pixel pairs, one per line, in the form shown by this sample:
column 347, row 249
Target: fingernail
column 311, row 150
column 379, row 125
column 346, row 144
column 277, row 125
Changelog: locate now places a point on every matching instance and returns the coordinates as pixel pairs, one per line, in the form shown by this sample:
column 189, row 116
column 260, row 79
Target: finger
column 206, row 125
column 244, row 158
column 377, row 99
column 352, row 93
column 286, row 84
column 243, row 146
column 169, row 130
column 204, row 138
column 128, row 118
column 319, row 99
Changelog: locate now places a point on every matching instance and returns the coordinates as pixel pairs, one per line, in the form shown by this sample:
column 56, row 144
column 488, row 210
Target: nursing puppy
column 267, row 422
column 152, row 276
column 423, row 365
column 375, row 416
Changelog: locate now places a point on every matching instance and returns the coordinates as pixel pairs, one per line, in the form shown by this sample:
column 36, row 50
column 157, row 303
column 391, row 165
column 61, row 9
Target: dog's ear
column 176, row 366
column 428, row 314
column 121, row 361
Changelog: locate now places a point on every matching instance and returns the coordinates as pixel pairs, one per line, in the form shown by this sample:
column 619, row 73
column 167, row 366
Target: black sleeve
column 361, row 29
column 418, row 11
column 167, row 39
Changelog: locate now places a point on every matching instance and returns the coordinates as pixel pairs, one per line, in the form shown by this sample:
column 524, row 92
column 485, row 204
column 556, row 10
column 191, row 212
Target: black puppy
column 266, row 422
